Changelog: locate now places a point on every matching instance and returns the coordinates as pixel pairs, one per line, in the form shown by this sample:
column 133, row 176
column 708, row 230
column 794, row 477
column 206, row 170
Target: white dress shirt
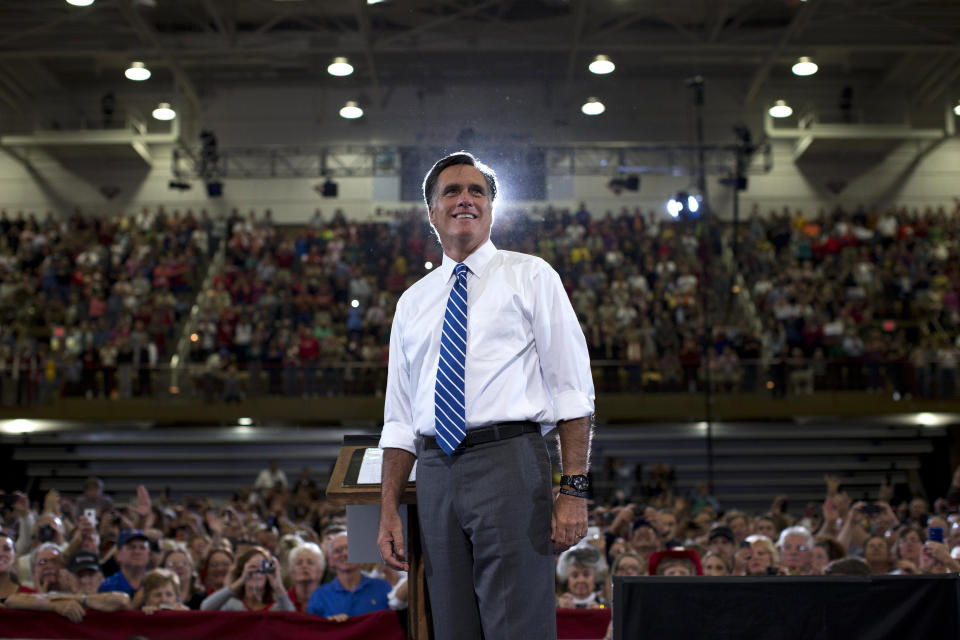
column 526, row 355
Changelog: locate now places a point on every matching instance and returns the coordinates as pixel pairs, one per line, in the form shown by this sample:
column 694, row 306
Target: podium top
column 344, row 488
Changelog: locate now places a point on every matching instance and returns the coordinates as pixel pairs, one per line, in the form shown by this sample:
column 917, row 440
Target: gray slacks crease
column 485, row 525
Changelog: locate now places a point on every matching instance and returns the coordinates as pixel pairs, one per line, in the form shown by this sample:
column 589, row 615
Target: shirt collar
column 476, row 262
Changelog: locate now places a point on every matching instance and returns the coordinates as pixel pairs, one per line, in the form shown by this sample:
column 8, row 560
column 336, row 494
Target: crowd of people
column 861, row 301
column 280, row 546
column 89, row 306
column 858, row 300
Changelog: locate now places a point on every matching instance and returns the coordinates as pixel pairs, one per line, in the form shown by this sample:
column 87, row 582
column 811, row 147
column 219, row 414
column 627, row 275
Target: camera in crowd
column 267, row 566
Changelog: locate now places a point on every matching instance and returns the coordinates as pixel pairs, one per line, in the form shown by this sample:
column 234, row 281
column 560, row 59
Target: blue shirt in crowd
column 331, row 598
column 117, row 582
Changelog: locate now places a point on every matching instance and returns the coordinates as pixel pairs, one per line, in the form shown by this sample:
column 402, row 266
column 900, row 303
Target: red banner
column 186, row 625
column 582, row 624
column 240, row 625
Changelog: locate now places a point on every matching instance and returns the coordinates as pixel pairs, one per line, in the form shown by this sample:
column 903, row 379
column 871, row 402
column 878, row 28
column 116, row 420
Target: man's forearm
column 574, row 442
column 397, row 464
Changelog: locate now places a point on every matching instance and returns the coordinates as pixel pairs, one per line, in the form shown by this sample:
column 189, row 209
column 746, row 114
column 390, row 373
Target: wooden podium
column 343, row 489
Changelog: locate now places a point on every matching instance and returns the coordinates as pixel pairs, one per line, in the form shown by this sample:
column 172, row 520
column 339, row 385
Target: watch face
column 580, row 483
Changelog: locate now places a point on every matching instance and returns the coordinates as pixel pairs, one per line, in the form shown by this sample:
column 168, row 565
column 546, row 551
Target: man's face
column 739, row 527
column 6, row 554
column 678, row 570
column 46, row 571
column 338, row 554
column 766, row 528
column 462, row 212
column 668, row 526
column 88, row 581
column 796, row 554
column 134, row 554
column 723, row 546
column 644, row 541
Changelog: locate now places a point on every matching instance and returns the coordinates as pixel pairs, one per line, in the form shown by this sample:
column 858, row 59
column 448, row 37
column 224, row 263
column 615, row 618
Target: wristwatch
column 578, row 483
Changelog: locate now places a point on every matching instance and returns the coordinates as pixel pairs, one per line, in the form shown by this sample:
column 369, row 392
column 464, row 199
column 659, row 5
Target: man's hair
column 44, row 547
column 847, row 567
column 796, row 531
column 458, row 158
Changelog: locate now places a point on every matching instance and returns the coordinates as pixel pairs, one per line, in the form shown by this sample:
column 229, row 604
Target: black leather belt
column 500, row 431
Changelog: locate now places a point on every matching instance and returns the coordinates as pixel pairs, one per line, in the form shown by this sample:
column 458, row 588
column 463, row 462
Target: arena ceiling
column 907, row 51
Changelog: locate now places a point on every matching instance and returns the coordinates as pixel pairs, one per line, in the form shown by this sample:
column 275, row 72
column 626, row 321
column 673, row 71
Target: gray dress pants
column 485, row 525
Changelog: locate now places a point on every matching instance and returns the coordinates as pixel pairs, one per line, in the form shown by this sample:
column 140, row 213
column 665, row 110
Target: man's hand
column 109, row 601
column 397, row 464
column 390, row 540
column 69, row 609
column 339, row 617
column 569, row 521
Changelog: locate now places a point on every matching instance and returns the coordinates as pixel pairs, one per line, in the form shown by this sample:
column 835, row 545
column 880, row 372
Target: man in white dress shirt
column 489, row 522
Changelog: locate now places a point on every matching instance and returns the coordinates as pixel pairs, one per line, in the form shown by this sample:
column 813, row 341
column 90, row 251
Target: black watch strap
column 577, row 482
column 575, row 494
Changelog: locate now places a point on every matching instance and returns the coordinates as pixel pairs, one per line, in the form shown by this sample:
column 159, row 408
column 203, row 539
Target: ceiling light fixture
column 602, row 65
column 593, row 107
column 340, row 67
column 164, row 112
column 137, row 72
column 351, row 110
column 781, row 109
column 956, row 108
column 804, row 66
column 80, row 3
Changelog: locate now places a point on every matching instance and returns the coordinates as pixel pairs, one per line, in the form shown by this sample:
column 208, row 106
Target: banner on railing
column 189, row 625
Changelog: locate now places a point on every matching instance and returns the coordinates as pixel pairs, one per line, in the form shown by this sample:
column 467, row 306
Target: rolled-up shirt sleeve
column 562, row 348
column 398, row 404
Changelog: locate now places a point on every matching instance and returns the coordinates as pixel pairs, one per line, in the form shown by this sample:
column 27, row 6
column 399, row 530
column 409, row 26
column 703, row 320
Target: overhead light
column 602, row 65
column 164, row 112
column 351, row 110
column 593, row 107
column 428, row 265
column 245, row 422
column 137, row 72
column 781, row 109
column 340, row 67
column 804, row 66
column 374, row 1
column 80, row 3
column 956, row 109
column 684, row 205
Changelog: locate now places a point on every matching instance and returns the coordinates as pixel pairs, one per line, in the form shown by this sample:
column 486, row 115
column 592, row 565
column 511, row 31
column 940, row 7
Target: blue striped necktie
column 449, row 407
